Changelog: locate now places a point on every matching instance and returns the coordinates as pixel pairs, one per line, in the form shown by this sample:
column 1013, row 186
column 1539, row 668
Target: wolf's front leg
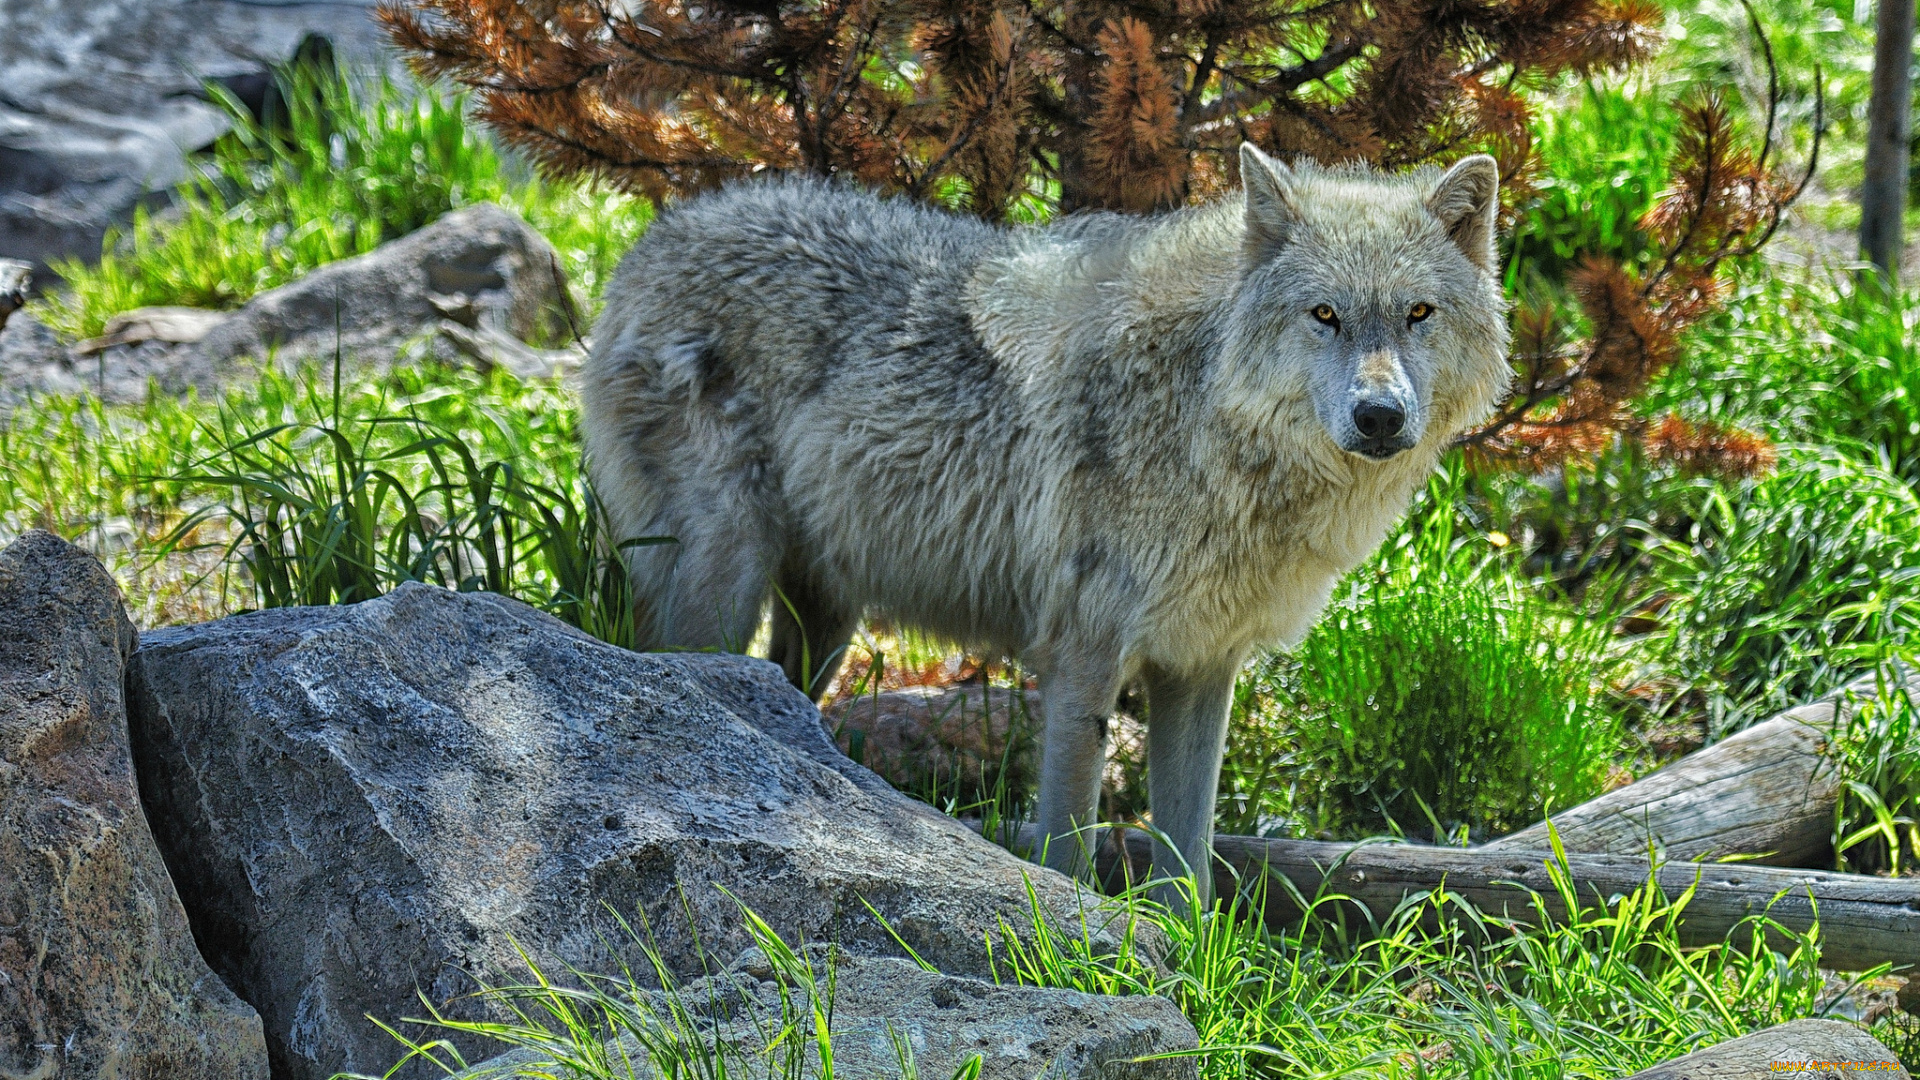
column 1075, row 703
column 1186, row 736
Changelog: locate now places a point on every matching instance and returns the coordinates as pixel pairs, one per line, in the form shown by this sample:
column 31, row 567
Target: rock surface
column 940, row 735
column 33, row 361
column 360, row 801
column 101, row 101
column 16, row 281
column 1808, row 1047
column 1019, row 1032
column 98, row 972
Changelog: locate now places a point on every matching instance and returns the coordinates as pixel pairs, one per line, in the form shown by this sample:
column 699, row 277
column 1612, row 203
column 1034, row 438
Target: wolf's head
column 1372, row 297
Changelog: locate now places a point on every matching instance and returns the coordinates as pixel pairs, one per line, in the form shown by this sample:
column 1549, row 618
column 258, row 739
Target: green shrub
column 1711, row 43
column 1787, row 586
column 353, row 167
column 1435, row 692
column 1807, row 358
column 1875, row 348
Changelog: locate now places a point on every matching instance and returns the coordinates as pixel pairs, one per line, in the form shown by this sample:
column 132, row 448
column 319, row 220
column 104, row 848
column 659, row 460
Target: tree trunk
column 1883, row 198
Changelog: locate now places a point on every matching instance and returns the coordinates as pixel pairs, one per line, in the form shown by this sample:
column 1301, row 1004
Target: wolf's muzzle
column 1381, row 426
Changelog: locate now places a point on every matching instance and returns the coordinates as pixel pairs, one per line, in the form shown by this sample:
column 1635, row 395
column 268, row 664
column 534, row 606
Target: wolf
column 1127, row 451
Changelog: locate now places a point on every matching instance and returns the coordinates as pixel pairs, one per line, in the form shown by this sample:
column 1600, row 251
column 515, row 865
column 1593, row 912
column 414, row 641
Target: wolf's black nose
column 1378, row 420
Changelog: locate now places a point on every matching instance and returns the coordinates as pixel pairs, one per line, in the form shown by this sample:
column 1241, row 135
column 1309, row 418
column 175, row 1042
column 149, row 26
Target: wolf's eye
column 1419, row 312
column 1325, row 314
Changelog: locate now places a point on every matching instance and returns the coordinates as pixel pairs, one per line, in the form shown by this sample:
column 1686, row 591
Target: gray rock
column 16, row 280
column 886, row 1012
column 480, row 272
column 481, row 266
column 1800, row 1046
column 101, row 101
column 33, row 361
column 963, row 737
column 944, row 736
column 366, row 800
column 98, row 971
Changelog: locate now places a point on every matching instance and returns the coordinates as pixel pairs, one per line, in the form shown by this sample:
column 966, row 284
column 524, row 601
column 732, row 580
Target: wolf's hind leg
column 810, row 635
column 1186, row 736
column 1076, row 703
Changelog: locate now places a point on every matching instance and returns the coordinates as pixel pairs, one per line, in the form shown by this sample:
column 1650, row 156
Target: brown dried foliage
column 1117, row 104
column 1573, row 397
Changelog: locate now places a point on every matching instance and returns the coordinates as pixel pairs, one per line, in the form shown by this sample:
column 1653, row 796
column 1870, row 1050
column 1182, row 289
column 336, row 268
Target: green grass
column 1441, row 989
column 594, row 1027
column 320, row 491
column 1788, row 586
column 1807, row 357
column 355, row 165
column 1876, row 822
column 1770, row 590
column 336, row 505
column 1609, row 143
column 1438, row 696
column 1437, row 990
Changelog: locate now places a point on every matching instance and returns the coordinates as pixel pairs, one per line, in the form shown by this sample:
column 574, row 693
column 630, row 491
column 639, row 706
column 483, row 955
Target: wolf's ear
column 1271, row 217
column 1467, row 201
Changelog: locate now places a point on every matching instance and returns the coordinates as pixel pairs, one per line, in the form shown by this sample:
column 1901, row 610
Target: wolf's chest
column 1268, row 582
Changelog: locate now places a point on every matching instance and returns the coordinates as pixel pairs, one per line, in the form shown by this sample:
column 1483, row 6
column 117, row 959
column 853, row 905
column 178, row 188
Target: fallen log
column 1769, row 789
column 1863, row 920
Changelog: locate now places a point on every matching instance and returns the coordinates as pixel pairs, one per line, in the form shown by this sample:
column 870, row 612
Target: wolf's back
column 794, row 266
column 747, row 328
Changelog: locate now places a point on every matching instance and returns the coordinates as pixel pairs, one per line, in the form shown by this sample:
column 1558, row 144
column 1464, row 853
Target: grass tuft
column 1876, row 821
column 1436, row 694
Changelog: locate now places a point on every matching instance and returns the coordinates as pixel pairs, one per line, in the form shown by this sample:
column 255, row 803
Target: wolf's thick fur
column 1127, row 451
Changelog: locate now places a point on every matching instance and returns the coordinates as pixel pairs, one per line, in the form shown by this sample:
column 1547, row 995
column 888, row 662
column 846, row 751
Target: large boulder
column 885, row 1012
column 362, row 802
column 1820, row 1047
column 98, row 972
column 101, row 101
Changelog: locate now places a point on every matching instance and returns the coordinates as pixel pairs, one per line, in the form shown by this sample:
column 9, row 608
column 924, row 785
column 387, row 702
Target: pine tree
column 1124, row 105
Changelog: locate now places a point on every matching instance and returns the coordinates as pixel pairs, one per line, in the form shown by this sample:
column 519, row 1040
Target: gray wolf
column 1128, row 451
